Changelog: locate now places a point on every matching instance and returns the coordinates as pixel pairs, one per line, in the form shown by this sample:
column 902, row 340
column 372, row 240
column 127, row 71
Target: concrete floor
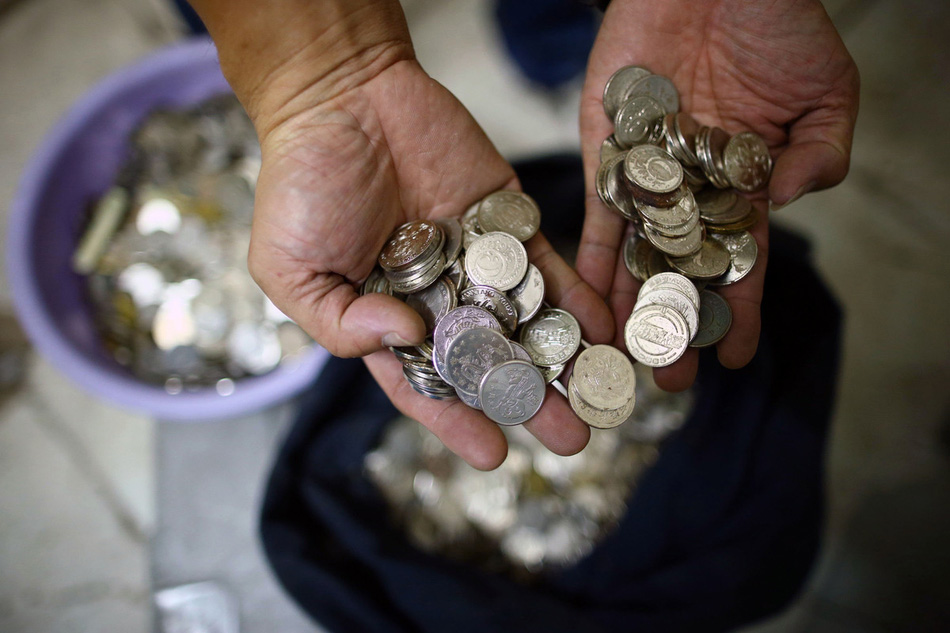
column 99, row 506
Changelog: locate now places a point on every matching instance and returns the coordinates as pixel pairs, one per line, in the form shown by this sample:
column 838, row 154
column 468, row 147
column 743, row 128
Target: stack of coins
column 602, row 388
column 674, row 180
column 413, row 258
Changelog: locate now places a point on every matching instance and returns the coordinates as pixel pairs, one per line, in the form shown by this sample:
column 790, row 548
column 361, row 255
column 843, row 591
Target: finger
column 557, row 427
column 564, row 288
column 819, row 148
column 464, row 431
column 738, row 347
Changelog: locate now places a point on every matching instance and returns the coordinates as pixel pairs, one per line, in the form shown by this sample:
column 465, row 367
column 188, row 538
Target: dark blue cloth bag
column 720, row 532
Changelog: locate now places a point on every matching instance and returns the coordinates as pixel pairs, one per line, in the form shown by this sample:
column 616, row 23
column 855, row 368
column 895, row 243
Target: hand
column 778, row 68
column 337, row 179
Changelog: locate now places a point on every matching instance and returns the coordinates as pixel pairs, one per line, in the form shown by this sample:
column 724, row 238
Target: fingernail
column 798, row 194
column 393, row 339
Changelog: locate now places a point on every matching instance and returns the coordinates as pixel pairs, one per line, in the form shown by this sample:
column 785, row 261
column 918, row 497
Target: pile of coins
column 164, row 255
column 538, row 511
column 675, row 181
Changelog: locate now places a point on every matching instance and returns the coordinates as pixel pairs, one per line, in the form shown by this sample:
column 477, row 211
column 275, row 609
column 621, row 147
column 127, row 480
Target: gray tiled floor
column 84, row 487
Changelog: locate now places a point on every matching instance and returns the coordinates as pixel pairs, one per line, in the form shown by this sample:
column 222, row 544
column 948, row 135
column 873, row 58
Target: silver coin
column 552, row 373
column 713, row 141
column 656, row 335
column 519, row 352
column 638, row 120
column 660, row 88
column 434, row 302
column 715, row 319
column 680, row 214
column 471, row 354
column 618, row 87
column 510, row 212
column 453, row 240
column 676, row 246
column 617, row 190
column 456, row 272
column 551, row 337
column 747, row 163
column 495, row 302
column 512, row 392
column 653, row 169
column 470, row 399
column 604, row 377
column 439, row 369
column 409, row 243
column 423, row 280
column 675, row 280
column 597, row 418
column 715, row 203
column 710, row 261
column 457, row 321
column 496, row 259
column 673, row 298
column 674, row 231
column 609, row 148
column 528, row 296
column 743, row 252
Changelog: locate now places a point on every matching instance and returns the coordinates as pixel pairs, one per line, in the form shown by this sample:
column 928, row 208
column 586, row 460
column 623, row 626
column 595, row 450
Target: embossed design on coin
column 604, row 377
column 715, row 319
column 653, row 169
column 675, row 280
column 495, row 302
column 410, row 241
column 656, row 335
column 471, row 354
column 638, row 121
column 551, row 337
column 510, row 212
column 618, row 87
column 669, row 296
column 676, row 246
column 597, row 418
column 457, row 321
column 747, row 162
column 528, row 295
column 709, row 262
column 743, row 251
column 512, row 392
column 496, row 259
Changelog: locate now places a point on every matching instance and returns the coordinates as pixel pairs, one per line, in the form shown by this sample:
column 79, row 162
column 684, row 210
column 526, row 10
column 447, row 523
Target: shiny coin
column 715, row 203
column 457, row 321
column 618, row 193
column 715, row 319
column 496, row 259
column 653, row 170
column 597, row 418
column 552, row 373
column 604, row 377
column 528, row 295
column 747, row 162
column 410, row 243
column 684, row 128
column 471, row 354
column 638, row 121
column 551, row 337
column 512, row 392
column 434, row 302
column 660, row 88
column 495, row 302
column 710, row 261
column 636, row 253
column 683, row 213
column 656, row 335
column 511, row 212
column 743, row 251
column 456, row 272
column 470, row 399
column 674, row 280
column 618, row 87
column 609, row 148
column 453, row 240
column 669, row 296
column 676, row 246
column 519, row 352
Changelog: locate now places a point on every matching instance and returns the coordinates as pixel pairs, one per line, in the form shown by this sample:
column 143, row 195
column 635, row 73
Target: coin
column 496, row 259
column 617, row 88
column 653, row 170
column 551, row 373
column 495, row 302
column 511, row 392
column 673, row 298
column 676, row 246
column 715, row 319
column 616, row 189
column 434, row 302
column 551, row 337
column 656, row 335
column 376, row 282
column 510, row 212
column 636, row 251
column 528, row 295
column 471, row 354
column 638, row 120
column 604, row 377
column 410, row 242
column 457, row 321
column 676, row 280
column 743, row 251
column 680, row 214
column 660, row 88
column 597, row 418
column 453, row 240
column 747, row 162
column 609, row 148
column 735, row 227
column 709, row 262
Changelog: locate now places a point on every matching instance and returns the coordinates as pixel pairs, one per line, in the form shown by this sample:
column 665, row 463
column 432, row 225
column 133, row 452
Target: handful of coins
column 491, row 342
column 675, row 181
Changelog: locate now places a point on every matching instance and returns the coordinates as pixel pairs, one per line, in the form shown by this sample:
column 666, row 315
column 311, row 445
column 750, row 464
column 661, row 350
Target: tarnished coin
column 676, row 246
column 551, row 337
column 493, row 301
column 512, row 392
column 716, row 203
column 597, row 418
column 609, row 148
column 528, row 295
column 674, row 280
column 496, row 259
column 636, row 254
column 656, row 335
column 409, row 243
column 453, row 240
column 471, row 354
column 618, row 87
column 638, row 121
column 680, row 214
column 710, row 261
column 653, row 169
column 457, row 321
column 743, row 251
column 746, row 223
column 434, row 302
column 604, row 377
column 747, row 162
column 510, row 212
column 660, row 88
column 673, row 298
column 715, row 319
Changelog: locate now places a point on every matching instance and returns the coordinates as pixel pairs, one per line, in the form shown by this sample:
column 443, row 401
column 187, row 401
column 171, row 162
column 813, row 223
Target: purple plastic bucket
column 78, row 161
